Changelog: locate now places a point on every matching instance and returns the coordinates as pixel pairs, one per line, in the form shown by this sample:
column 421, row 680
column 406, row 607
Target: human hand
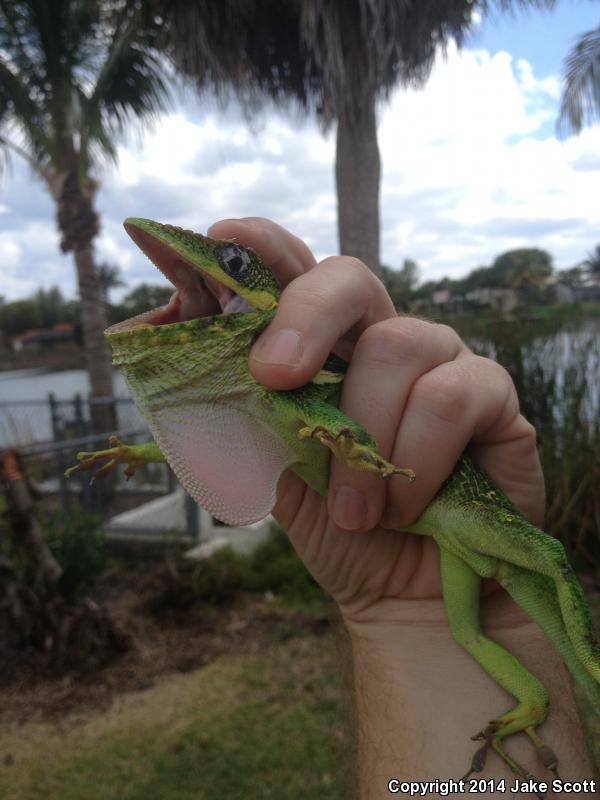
column 416, row 388
column 425, row 397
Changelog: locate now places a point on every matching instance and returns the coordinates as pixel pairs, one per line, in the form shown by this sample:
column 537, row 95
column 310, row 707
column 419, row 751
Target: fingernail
column 280, row 347
column 349, row 508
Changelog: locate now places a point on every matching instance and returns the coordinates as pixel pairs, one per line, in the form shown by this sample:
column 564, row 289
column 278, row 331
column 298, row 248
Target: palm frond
column 331, row 56
column 17, row 104
column 129, row 84
column 13, row 35
column 580, row 103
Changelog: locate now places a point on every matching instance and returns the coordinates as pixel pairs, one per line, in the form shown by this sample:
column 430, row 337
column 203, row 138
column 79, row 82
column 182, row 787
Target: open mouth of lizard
column 196, row 294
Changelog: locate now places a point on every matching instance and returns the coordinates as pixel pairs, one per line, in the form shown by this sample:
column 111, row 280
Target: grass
column 268, row 725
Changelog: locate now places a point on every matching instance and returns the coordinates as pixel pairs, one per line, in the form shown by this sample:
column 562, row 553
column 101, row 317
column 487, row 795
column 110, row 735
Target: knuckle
column 495, row 370
column 394, row 340
column 448, row 334
column 303, row 293
column 528, row 433
column 442, row 395
column 500, row 382
column 354, row 270
column 345, row 263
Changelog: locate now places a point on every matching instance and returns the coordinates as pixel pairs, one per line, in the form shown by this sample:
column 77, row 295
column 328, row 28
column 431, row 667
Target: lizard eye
column 234, row 261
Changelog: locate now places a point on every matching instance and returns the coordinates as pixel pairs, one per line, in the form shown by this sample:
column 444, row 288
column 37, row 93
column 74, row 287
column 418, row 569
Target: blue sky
column 540, row 36
column 471, row 168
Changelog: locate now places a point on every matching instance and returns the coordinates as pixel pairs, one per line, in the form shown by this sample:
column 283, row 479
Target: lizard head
column 210, row 276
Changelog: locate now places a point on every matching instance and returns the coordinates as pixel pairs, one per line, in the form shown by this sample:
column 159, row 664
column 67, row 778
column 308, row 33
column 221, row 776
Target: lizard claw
column 117, row 453
column 478, row 760
column 358, row 456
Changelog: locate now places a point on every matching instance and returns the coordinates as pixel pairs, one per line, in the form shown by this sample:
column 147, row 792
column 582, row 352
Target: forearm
column 419, row 696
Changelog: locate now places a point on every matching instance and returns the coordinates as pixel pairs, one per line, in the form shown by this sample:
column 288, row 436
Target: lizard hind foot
column 344, row 447
column 545, row 754
column 478, row 760
column 493, row 736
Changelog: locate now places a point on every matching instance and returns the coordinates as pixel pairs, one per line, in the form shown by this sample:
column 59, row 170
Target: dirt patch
column 163, row 642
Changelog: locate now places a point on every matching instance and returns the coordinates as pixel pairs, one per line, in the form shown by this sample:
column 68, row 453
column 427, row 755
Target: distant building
column 445, row 302
column 567, row 293
column 588, row 294
column 564, row 293
column 500, row 299
column 61, row 332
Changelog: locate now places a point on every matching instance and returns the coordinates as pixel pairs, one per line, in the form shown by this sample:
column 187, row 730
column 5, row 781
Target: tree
column 145, row 297
column 573, row 276
column 339, row 58
column 72, row 76
column 109, row 277
column 592, row 262
column 580, row 103
column 401, row 283
column 19, row 316
column 520, row 268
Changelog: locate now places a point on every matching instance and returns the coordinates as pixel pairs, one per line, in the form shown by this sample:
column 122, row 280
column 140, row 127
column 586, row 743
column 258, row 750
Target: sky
column 472, row 167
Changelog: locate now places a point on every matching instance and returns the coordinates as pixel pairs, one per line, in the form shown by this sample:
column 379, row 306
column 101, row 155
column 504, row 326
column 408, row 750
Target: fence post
column 65, row 497
column 192, row 519
column 82, row 427
column 171, row 482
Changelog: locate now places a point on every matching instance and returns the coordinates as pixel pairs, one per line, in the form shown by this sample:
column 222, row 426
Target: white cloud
column 30, row 258
column 465, row 176
column 470, row 168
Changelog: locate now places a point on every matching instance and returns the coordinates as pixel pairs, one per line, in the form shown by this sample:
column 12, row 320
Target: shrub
column 78, row 547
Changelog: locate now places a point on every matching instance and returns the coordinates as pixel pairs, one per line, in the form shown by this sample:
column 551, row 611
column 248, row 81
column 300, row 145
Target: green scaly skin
column 184, row 373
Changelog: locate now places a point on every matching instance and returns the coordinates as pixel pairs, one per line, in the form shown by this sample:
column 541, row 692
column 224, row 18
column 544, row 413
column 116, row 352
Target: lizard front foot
column 358, row 456
column 118, row 453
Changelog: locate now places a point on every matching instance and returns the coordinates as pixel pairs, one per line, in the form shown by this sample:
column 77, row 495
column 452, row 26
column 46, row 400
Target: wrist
column 420, row 697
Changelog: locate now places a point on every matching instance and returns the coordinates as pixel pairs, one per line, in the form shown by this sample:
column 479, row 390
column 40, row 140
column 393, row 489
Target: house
column 445, row 302
column 34, row 337
column 579, row 293
column 496, row 298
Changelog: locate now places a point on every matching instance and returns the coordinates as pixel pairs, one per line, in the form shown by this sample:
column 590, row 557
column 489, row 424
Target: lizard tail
column 536, row 594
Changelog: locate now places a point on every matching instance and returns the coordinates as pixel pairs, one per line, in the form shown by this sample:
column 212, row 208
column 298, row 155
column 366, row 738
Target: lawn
column 264, row 724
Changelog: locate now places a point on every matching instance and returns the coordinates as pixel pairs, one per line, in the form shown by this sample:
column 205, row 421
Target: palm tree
column 339, row 58
column 580, row 103
column 592, row 262
column 73, row 73
column 109, row 277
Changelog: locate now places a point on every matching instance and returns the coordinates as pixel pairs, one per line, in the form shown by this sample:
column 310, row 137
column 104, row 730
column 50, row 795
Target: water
column 24, row 409
column 37, row 384
column 553, row 354
column 557, row 373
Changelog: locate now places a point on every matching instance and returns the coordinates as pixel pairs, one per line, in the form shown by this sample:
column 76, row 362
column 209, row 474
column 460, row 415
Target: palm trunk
column 97, row 351
column 78, row 224
column 357, row 171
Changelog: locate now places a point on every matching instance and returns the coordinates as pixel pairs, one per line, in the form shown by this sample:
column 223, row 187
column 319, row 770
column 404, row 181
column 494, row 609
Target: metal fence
column 49, row 433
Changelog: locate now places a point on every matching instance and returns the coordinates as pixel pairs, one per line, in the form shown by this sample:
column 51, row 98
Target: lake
column 24, row 408
column 536, row 359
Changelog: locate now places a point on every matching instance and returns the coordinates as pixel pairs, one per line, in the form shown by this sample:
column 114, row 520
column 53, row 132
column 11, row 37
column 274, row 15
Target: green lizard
column 209, row 417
